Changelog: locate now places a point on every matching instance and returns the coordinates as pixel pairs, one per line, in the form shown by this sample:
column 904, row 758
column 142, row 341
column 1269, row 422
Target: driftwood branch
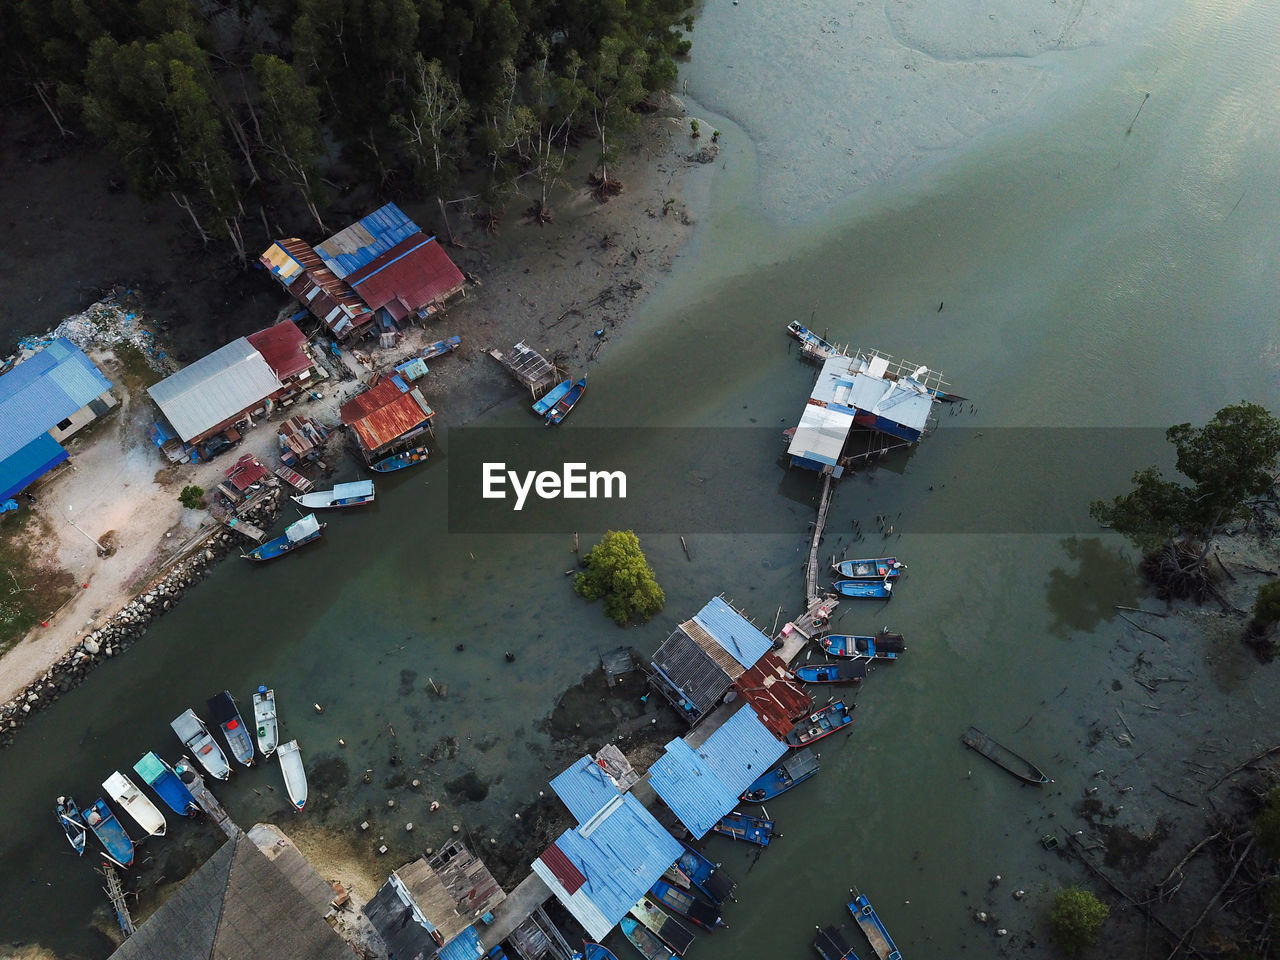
column 1174, row 796
column 1177, row 867
column 1150, row 613
column 1214, row 899
column 1252, row 760
column 1132, row 623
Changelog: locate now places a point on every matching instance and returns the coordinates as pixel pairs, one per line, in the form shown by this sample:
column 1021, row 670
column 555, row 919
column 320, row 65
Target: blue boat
column 72, row 823
column 295, row 535
column 832, row 943
column 645, row 940
column 875, row 568
column 812, row 345
column 874, row 930
column 739, row 826
column 663, row 925
column 832, row 718
column 706, row 876
column 398, row 461
column 441, row 347
column 795, row 769
column 851, row 671
column 551, row 398
column 595, row 951
column 566, row 403
column 883, row 646
column 159, row 776
column 695, row 909
column 866, row 589
column 105, row 826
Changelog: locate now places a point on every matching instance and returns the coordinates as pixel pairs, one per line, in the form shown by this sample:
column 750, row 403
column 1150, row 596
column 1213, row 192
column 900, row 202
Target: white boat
column 295, row 777
column 192, row 732
column 144, row 813
column 264, row 718
column 352, row 494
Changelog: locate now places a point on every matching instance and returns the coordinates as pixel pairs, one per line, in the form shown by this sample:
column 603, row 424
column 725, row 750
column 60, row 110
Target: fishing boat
column 566, row 403
column 72, row 823
column 195, row 735
column 441, row 347
column 295, row 776
column 594, row 951
column 401, row 460
column 883, row 646
column 811, row 344
column 161, row 778
column 117, row 846
column 1002, row 756
column 353, row 494
column 739, row 826
column 874, row 930
column 851, row 671
column 876, row 568
column 666, row 927
column 695, row 909
column 549, row 399
column 264, row 719
column 865, row 589
column 795, row 769
column 226, row 715
column 135, row 803
column 297, row 534
column 832, row 943
column 832, row 718
column 714, row 883
column 645, row 940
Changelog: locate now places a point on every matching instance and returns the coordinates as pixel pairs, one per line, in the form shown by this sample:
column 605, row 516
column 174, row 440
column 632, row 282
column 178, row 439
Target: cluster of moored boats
column 555, row 404
column 832, row 942
column 869, row 579
column 308, row 529
column 179, row 786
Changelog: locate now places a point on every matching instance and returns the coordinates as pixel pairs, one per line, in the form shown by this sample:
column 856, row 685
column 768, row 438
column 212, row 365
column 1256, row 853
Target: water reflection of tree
column 1082, row 599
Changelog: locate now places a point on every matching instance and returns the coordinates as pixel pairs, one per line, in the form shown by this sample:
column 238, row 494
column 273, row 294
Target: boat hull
column 116, row 845
column 693, row 909
column 706, row 876
column 401, row 461
column 874, row 568
column 295, row 775
column 645, row 940
column 791, row 772
column 265, row 722
column 226, row 715
column 873, row 929
column 664, row 926
column 594, row 951
column 832, row 718
column 195, row 737
column 161, row 778
column 566, row 403
column 132, row 800
column 739, row 826
column 543, row 406
column 1003, row 757
column 72, row 824
column 883, row 646
column 850, row 672
column 865, row 589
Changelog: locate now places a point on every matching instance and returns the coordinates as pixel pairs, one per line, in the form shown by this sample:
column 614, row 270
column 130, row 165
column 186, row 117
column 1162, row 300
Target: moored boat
column 566, row 403
column 832, row 718
column 875, row 568
column 72, row 823
column 297, row 534
column 832, row 943
column 264, row 719
column 117, row 846
column 865, row 589
column 135, row 803
column 717, row 885
column 441, row 347
column 883, row 646
column 850, row 671
column 695, row 909
column 873, row 929
column 295, row 776
column 739, row 826
column 549, row 399
column 353, row 494
column 666, row 927
column 794, row 769
column 161, row 778
column 196, row 737
column 595, row 951
column 226, row 715
column 1003, row 757
column 401, row 460
column 812, row 345
column 645, row 940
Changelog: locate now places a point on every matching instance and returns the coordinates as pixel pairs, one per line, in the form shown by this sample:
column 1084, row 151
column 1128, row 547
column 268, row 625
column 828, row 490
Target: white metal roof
column 820, row 434
column 216, row 387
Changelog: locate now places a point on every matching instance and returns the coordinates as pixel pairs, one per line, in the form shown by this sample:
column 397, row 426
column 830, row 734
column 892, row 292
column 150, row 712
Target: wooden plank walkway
column 115, row 893
column 519, row 904
column 209, row 803
column 240, row 525
column 811, row 570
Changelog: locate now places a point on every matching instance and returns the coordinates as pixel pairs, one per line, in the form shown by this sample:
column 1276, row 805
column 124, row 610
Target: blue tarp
column 28, row 464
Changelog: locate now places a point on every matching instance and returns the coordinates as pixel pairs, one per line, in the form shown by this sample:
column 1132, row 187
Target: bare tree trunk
column 38, row 85
column 185, row 203
column 444, row 215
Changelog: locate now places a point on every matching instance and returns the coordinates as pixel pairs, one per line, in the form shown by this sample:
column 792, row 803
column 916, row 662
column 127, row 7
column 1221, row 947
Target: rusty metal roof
column 295, row 264
column 284, row 348
column 778, row 700
column 384, row 413
column 412, row 274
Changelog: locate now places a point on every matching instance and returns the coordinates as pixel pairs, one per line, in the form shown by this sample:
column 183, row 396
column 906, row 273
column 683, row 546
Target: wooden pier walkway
column 811, row 569
column 514, row 910
column 115, row 893
column 209, row 803
column 242, row 526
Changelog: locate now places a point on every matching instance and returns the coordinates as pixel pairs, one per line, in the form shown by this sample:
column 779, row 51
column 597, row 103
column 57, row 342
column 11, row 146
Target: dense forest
column 231, row 109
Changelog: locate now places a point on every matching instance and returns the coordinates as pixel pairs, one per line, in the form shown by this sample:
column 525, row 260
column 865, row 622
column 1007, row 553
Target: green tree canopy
column 1266, row 607
column 618, row 571
column 1076, row 919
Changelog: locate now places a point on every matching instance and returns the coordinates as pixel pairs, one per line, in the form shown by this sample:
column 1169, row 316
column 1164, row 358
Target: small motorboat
column 399, row 461
column 594, row 951
column 161, row 778
column 717, row 885
column 832, row 943
column 1003, row 757
column 666, row 927
column 794, row 769
column 739, row 826
column 297, row 534
column 226, row 715
column 883, row 646
column 875, row 932
column 135, row 803
column 876, row 568
column 832, row 718
column 264, row 719
column 117, row 846
column 551, row 398
column 567, row 402
column 295, row 776
column 812, row 346
column 695, row 909
column 865, row 589
column 196, row 737
column 851, row 671
column 72, row 823
column 353, row 494
column 645, row 940
column 441, row 347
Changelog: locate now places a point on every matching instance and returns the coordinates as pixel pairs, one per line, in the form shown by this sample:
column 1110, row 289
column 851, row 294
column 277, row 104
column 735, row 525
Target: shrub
column 618, row 571
column 1076, row 919
column 192, row 497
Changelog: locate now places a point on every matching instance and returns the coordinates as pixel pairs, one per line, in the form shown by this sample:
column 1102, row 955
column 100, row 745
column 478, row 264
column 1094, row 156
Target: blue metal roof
column 365, row 240
column 30, row 463
column 691, row 788
column 584, row 788
column 465, row 946
column 621, row 855
column 741, row 750
column 733, row 631
column 44, row 389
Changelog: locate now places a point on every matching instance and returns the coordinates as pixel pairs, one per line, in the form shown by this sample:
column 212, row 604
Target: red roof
column 284, row 348
column 412, row 274
column 562, row 868
column 777, row 699
column 382, row 413
column 246, row 472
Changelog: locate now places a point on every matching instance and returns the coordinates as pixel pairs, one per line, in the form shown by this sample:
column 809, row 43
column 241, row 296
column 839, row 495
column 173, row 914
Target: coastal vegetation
column 244, row 114
column 1076, row 919
column 192, row 497
column 616, row 570
column 32, row 590
column 1225, row 466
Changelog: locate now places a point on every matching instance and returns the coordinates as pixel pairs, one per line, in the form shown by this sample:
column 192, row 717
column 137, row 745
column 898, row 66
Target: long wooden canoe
column 1005, row 758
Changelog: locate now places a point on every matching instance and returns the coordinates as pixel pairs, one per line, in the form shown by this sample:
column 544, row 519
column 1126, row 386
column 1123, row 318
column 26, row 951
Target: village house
column 387, row 417
column 284, row 347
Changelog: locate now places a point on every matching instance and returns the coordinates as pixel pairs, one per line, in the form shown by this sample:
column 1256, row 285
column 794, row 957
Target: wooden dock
column 812, row 623
column 811, row 569
column 294, row 479
column 244, row 527
column 115, row 893
column 209, row 803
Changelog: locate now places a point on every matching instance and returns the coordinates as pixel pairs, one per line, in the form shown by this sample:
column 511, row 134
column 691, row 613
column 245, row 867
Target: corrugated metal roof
column 584, row 788
column 413, row 274
column 215, row 388
column 690, row 673
column 465, row 946
column 20, row 469
column 365, row 240
column 723, row 658
column 382, row 413
column 44, row 389
column 578, row 903
column 315, row 285
column 570, row 877
column 284, row 348
column 689, row 786
column 777, row 700
column 741, row 750
column 733, row 631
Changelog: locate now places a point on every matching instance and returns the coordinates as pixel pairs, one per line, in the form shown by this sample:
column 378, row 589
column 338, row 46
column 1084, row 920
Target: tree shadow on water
column 1103, row 577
